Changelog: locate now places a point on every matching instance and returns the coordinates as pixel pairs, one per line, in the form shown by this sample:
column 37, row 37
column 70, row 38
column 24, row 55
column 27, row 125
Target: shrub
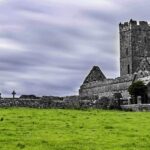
column 137, row 88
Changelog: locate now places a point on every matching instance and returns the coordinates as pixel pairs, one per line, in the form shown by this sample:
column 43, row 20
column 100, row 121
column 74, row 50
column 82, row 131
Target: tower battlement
column 133, row 24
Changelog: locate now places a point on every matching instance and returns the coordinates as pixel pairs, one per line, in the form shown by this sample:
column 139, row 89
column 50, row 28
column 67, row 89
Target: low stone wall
column 46, row 103
column 65, row 104
column 34, row 103
column 71, row 98
column 136, row 107
column 78, row 104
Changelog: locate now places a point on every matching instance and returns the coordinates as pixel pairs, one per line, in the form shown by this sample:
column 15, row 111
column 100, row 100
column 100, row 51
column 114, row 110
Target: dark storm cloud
column 48, row 47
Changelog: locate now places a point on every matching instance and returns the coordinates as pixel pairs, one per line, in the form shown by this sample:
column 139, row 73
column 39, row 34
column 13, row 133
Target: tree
column 138, row 88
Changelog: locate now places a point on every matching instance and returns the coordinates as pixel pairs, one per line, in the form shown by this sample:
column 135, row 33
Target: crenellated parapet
column 133, row 24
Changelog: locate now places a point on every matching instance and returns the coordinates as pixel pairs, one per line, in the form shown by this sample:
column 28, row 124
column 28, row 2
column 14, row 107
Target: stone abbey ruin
column 134, row 63
column 97, row 91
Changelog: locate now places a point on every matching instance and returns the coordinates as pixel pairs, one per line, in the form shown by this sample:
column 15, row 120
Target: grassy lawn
column 52, row 129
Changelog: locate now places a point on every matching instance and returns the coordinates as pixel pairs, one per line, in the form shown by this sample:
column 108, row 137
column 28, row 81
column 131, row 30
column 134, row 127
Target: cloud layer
column 47, row 47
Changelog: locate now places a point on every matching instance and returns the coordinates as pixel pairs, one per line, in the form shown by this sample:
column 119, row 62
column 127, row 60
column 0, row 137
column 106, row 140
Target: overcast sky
column 47, row 47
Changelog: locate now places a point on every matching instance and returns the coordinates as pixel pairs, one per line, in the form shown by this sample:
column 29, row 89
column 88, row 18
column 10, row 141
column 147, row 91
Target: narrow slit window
column 127, row 51
column 145, row 40
column 128, row 68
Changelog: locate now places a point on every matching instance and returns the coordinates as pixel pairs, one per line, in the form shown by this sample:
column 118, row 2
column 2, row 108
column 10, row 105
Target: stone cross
column 13, row 93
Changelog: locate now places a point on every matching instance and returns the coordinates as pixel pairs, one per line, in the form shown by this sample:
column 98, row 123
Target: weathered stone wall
column 107, row 88
column 125, row 49
column 33, row 103
column 68, row 103
column 71, row 98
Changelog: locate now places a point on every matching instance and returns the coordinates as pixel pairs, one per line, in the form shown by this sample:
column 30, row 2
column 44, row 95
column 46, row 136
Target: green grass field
column 52, row 129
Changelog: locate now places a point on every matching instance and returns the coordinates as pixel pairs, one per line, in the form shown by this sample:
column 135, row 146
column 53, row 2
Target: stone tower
column 134, row 45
